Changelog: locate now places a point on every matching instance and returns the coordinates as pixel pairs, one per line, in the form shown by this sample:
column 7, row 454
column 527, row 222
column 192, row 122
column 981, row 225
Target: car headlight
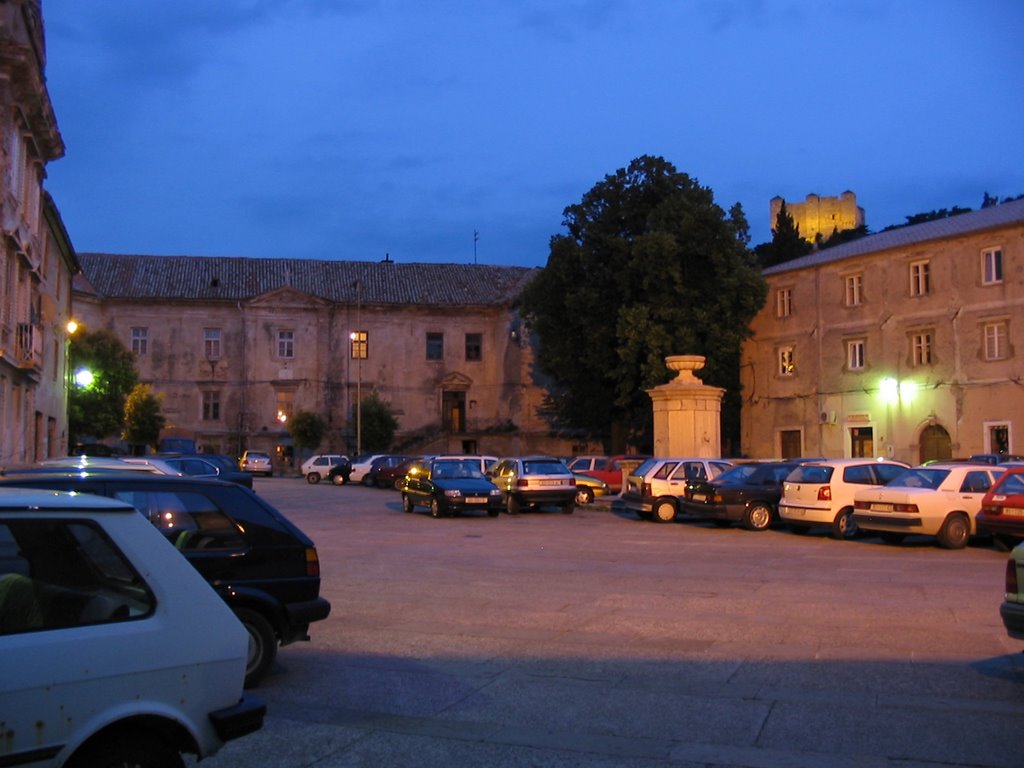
column 495, row 492
column 454, row 493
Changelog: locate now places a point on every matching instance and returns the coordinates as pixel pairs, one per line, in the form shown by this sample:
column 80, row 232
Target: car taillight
column 909, row 508
column 825, row 493
column 312, row 562
column 522, row 482
column 1011, row 577
column 992, row 511
column 572, row 481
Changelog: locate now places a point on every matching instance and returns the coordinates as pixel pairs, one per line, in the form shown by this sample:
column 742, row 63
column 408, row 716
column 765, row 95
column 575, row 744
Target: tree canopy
column 96, row 408
column 651, row 266
column 786, row 244
column 143, row 418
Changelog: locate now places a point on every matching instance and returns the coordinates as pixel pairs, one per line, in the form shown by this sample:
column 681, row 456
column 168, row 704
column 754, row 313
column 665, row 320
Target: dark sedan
column 747, row 494
column 450, row 487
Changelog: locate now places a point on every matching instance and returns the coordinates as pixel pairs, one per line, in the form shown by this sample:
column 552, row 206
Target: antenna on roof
column 476, row 239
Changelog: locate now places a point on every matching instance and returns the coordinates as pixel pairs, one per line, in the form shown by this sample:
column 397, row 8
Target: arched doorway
column 934, row 444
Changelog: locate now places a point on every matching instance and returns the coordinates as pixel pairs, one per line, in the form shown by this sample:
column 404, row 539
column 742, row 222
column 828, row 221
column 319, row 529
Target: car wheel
column 339, row 479
column 511, row 505
column 954, row 532
column 843, row 527
column 664, row 511
column 435, row 508
column 146, row 749
column 584, row 496
column 262, row 645
column 890, row 537
column 407, row 505
column 313, row 478
column 399, row 483
column 368, row 481
column 758, row 517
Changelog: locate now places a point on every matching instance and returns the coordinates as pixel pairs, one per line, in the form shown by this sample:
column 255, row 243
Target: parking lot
column 595, row 639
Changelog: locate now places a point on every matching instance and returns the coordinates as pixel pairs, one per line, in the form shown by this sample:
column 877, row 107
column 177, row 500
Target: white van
column 114, row 649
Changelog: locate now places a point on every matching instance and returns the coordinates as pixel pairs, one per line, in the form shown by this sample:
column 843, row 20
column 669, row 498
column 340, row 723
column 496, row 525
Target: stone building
column 907, row 344
column 36, row 258
column 819, row 215
column 236, row 346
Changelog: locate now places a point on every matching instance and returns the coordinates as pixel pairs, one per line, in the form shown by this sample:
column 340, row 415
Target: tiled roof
column 1005, row 214
column 116, row 276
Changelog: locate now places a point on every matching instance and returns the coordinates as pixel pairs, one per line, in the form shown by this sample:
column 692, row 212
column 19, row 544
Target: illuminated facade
column 36, row 258
column 907, row 344
column 821, row 215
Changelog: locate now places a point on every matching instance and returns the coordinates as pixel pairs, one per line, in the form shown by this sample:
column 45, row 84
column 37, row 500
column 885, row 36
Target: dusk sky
column 351, row 129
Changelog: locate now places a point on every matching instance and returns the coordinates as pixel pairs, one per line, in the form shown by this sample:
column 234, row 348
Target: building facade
column 906, row 344
column 235, row 347
column 36, row 258
column 821, row 216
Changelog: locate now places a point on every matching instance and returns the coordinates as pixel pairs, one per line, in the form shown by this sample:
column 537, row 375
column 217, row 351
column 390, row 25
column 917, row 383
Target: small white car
column 821, row 492
column 115, row 649
column 653, row 489
column 361, row 465
column 940, row 500
column 316, row 468
column 257, row 462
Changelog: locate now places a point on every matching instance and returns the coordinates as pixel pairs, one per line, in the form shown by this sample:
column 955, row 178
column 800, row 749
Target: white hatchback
column 821, row 492
column 316, row 468
column 115, row 649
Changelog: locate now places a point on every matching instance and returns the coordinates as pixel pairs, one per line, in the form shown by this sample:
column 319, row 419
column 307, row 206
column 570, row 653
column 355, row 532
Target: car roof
column 848, row 462
column 106, row 475
column 20, row 499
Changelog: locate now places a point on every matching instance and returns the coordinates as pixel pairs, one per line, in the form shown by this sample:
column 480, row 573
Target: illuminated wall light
column 889, row 390
column 908, row 391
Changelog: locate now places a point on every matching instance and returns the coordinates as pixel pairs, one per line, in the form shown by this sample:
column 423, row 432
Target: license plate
column 1013, row 512
column 550, row 482
column 476, row 499
column 699, row 497
column 881, row 507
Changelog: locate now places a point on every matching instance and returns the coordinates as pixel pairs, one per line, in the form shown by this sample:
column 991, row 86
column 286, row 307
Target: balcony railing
column 28, row 346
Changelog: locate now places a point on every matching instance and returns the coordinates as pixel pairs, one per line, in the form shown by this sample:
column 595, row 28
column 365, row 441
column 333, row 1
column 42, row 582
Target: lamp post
column 357, row 351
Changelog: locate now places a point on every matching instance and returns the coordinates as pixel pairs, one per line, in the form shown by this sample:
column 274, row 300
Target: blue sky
column 351, row 129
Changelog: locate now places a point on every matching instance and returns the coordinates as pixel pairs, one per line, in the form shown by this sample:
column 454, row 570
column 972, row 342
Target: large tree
column 786, row 244
column 96, row 405
column 143, row 417
column 651, row 266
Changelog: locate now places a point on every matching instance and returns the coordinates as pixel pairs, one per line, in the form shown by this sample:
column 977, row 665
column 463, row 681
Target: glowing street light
column 84, row 378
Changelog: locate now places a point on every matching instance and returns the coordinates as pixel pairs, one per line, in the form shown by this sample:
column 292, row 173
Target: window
column 855, row 355
column 921, row 348
column 854, row 284
column 211, row 343
column 286, row 344
column 862, row 442
column 992, row 266
column 995, row 340
column 435, row 346
column 211, row 405
column 997, row 438
column 360, row 344
column 787, row 363
column 920, row 278
column 285, row 406
column 474, row 346
column 784, row 302
column 140, row 340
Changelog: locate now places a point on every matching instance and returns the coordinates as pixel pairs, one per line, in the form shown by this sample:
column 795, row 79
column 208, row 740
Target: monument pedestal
column 687, row 412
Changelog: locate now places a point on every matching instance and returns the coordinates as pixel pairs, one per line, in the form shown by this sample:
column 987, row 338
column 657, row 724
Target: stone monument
column 687, row 412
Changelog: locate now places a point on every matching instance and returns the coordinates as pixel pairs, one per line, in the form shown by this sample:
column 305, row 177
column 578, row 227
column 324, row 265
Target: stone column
column 687, row 412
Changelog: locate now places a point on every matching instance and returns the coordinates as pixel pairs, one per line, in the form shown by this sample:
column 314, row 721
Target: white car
column 485, row 462
column 115, row 649
column 361, row 465
column 316, row 468
column 654, row 488
column 940, row 500
column 821, row 492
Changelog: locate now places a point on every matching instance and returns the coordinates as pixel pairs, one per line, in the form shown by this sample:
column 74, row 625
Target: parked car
column 115, row 651
column 450, row 487
column 483, row 462
column 821, row 492
column 940, row 500
column 360, row 466
column 262, row 565
column 1002, row 508
column 530, row 482
column 656, row 487
column 228, row 468
column 589, row 488
column 257, row 462
column 747, row 494
column 996, row 458
column 1012, row 609
column 384, row 470
column 318, row 467
column 611, row 469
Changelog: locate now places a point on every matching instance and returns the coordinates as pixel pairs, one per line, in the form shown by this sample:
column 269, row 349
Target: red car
column 611, row 469
column 1002, row 508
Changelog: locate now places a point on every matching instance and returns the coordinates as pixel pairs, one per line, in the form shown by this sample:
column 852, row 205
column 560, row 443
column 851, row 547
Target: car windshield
column 1012, row 483
column 644, row 468
column 810, row 473
column 738, row 474
column 919, row 478
column 449, row 470
column 544, row 467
